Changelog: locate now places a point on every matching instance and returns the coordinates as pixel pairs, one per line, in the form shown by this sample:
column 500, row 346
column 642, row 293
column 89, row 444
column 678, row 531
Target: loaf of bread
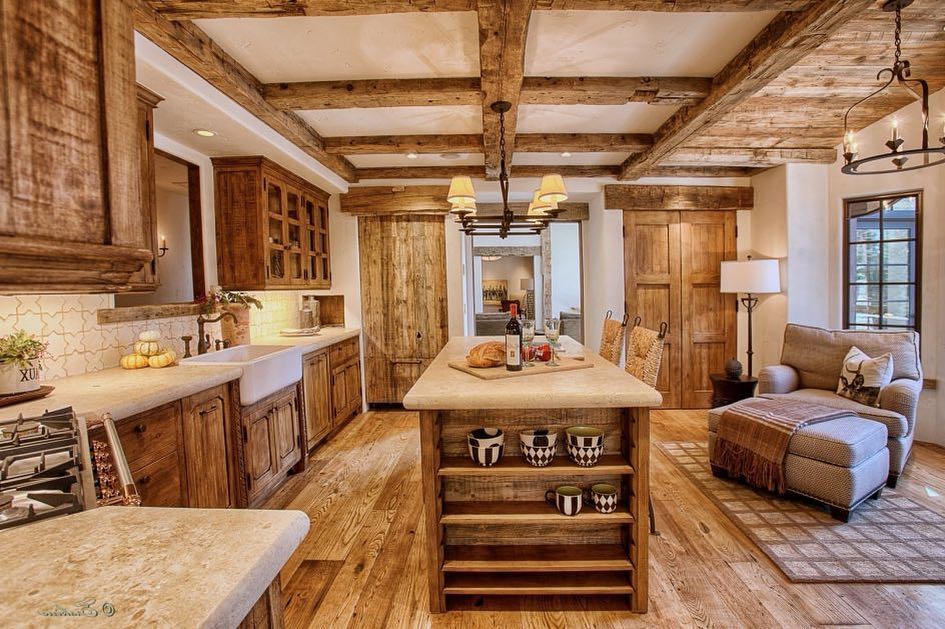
column 489, row 354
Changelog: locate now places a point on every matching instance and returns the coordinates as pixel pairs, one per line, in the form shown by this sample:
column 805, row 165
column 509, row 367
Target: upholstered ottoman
column 840, row 462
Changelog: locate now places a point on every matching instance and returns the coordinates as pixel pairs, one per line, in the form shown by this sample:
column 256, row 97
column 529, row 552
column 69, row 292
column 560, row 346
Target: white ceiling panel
column 628, row 118
column 576, row 159
column 396, row 120
column 625, row 43
column 391, row 160
column 404, row 45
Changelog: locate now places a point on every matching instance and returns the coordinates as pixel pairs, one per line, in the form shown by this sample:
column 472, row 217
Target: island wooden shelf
column 609, row 465
column 477, row 518
column 522, row 512
column 589, row 558
column 607, row 583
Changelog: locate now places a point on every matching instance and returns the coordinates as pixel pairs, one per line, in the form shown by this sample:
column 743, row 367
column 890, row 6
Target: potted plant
column 20, row 363
column 235, row 332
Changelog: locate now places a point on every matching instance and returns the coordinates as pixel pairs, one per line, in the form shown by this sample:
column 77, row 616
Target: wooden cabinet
column 272, row 442
column 316, row 384
column 152, row 443
column 147, row 279
column 672, row 265
column 70, row 199
column 272, row 227
column 403, row 297
column 207, row 417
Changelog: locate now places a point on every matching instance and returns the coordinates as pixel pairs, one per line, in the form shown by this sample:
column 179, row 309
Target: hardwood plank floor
column 361, row 564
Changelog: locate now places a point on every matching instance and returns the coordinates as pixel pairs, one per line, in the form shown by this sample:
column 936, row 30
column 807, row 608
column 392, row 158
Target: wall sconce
column 162, row 250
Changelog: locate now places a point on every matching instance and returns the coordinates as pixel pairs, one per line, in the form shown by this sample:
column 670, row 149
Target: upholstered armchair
column 811, row 359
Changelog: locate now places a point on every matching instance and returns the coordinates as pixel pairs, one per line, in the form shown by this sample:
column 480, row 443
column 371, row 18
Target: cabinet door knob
column 144, row 480
column 140, row 429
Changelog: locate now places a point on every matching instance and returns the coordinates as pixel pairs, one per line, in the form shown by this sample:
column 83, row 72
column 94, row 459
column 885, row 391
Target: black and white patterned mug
column 566, row 499
column 603, row 496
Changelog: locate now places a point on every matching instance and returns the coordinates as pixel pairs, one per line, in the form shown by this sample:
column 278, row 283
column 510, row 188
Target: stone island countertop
column 136, row 567
column 602, row 386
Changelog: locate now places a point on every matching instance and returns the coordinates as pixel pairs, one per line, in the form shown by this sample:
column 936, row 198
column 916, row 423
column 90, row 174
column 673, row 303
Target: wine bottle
column 513, row 341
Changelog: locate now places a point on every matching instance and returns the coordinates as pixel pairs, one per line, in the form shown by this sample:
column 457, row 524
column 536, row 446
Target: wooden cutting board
column 501, row 373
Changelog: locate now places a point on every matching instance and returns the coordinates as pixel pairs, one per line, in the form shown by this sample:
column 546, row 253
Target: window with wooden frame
column 882, row 262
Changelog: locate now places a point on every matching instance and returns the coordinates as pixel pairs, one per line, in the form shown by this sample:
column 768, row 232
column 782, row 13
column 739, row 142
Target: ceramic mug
column 603, row 496
column 585, row 445
column 566, row 499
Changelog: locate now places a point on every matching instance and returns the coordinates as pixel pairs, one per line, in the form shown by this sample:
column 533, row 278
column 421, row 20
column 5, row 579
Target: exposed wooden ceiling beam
column 207, row 9
column 374, row 93
column 472, row 143
column 646, row 198
column 421, row 144
column 446, row 172
column 478, row 172
column 192, row 47
column 608, row 90
column 748, row 157
column 536, row 90
column 786, row 40
column 503, row 27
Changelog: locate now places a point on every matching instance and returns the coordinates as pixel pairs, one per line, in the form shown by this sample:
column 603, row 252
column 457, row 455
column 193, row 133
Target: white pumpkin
column 147, row 348
column 163, row 359
column 149, row 335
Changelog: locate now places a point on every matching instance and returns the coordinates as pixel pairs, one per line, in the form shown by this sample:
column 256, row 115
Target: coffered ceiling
column 613, row 88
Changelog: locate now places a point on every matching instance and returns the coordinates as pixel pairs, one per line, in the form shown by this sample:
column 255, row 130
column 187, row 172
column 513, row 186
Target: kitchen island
column 489, row 529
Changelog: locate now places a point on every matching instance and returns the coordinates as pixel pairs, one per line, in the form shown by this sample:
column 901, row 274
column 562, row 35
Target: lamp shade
column 552, row 189
column 527, row 283
column 538, row 207
column 751, row 276
column 464, row 206
column 461, row 189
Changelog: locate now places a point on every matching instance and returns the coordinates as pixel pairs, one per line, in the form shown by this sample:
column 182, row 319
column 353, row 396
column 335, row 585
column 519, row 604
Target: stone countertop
column 125, row 392
column 146, row 566
column 602, row 386
column 327, row 336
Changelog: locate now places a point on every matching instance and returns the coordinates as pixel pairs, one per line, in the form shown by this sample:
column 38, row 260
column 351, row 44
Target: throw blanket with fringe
column 754, row 435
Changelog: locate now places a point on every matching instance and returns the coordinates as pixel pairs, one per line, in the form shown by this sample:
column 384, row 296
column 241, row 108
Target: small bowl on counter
column 486, row 446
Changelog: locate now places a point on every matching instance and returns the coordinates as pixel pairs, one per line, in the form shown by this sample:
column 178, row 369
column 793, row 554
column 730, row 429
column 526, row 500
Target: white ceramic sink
column 266, row 368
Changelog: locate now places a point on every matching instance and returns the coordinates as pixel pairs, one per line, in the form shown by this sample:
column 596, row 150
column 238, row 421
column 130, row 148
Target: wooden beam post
column 373, row 93
column 655, row 198
column 503, row 26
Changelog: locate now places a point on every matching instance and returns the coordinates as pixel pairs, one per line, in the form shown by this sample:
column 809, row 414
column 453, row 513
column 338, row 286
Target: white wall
column 565, row 267
column 174, row 268
column 931, row 424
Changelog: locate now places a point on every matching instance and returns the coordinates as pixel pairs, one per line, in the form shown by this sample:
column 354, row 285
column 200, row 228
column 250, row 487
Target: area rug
column 890, row 540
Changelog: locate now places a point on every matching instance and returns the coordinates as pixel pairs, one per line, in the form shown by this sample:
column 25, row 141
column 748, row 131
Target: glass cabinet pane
column 295, row 266
column 292, row 204
column 274, row 198
column 276, row 264
column 295, row 237
column 275, row 231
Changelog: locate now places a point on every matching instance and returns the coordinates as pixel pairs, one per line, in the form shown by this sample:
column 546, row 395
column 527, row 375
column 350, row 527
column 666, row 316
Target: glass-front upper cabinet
column 275, row 216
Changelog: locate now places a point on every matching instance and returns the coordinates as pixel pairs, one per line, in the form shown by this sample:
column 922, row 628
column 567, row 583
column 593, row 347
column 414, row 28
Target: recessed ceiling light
column 204, row 133
column 411, row 156
column 565, row 154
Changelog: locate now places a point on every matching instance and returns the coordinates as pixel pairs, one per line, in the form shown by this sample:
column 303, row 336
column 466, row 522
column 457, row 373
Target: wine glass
column 528, row 335
column 552, row 332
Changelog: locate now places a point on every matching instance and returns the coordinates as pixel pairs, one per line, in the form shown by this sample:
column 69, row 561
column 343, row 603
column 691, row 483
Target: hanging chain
column 502, row 139
column 898, row 34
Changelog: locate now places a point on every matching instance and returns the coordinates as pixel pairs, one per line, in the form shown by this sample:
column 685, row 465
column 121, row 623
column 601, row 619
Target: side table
column 727, row 390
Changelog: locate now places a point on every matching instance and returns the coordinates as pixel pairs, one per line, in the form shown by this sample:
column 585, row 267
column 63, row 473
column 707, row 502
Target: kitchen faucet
column 203, row 343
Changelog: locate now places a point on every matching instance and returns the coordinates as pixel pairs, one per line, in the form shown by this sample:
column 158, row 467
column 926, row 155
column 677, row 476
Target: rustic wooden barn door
column 671, row 270
column 403, row 300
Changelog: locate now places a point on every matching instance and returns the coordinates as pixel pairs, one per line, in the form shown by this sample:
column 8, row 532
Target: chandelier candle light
column 541, row 211
column 895, row 160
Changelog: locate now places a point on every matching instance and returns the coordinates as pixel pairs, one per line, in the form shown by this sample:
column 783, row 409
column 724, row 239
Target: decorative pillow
column 862, row 377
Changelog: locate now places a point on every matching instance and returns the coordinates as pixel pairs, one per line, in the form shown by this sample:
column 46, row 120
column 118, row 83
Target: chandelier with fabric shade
column 542, row 209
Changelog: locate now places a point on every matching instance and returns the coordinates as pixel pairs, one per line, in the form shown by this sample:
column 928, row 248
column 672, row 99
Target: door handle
column 406, row 361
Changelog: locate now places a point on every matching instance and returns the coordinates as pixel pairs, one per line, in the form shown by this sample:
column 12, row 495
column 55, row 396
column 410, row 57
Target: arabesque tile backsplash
column 78, row 344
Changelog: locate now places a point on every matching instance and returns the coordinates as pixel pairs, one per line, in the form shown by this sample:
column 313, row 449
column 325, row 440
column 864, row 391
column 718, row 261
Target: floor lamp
column 752, row 277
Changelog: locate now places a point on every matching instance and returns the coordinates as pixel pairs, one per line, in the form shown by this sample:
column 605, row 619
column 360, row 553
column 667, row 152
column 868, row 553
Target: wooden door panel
column 708, row 317
column 404, row 307
column 316, row 384
column 206, row 444
column 651, row 275
column 260, row 463
column 286, row 426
